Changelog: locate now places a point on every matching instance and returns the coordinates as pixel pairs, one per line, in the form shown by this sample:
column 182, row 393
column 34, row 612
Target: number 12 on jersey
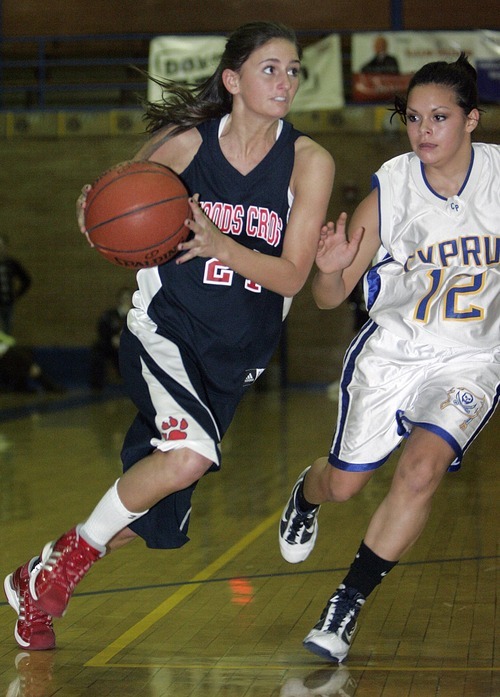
column 451, row 298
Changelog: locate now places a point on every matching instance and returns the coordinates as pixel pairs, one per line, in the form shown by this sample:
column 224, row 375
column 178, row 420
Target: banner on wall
column 192, row 59
column 184, row 59
column 488, row 65
column 321, row 85
column 383, row 62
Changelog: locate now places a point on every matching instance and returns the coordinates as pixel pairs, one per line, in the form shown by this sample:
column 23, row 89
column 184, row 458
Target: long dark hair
column 460, row 76
column 185, row 107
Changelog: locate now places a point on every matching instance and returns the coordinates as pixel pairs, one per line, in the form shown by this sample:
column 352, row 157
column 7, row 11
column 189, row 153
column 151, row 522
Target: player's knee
column 182, row 467
column 342, row 486
column 423, row 463
column 420, row 476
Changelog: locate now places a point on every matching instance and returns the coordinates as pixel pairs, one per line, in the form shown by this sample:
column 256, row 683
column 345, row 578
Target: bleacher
column 87, row 71
column 97, row 71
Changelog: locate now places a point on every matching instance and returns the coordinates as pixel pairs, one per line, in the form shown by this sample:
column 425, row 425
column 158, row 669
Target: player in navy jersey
column 425, row 367
column 204, row 325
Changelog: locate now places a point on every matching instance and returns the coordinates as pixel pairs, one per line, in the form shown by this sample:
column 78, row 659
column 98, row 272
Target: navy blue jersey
column 199, row 334
column 230, row 324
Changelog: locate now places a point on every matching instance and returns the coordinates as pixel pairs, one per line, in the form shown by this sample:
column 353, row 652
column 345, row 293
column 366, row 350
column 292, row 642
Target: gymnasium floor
column 225, row 616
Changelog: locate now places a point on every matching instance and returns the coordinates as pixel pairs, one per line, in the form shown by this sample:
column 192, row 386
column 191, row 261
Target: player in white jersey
column 426, row 365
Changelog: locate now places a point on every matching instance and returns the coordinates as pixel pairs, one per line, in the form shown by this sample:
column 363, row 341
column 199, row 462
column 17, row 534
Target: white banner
column 185, row 59
column 321, row 84
column 383, row 62
column 192, row 59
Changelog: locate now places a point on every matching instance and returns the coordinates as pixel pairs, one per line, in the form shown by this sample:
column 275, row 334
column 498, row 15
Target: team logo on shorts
column 466, row 402
column 173, row 429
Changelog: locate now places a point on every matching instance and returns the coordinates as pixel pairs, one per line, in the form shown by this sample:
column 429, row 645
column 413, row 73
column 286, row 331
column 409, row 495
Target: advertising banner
column 184, row 59
column 321, row 85
column 383, row 62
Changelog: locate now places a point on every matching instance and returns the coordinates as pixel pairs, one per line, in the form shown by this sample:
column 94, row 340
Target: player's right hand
column 81, row 202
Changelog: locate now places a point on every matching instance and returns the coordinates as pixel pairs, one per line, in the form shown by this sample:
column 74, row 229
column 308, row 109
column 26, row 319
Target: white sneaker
column 298, row 531
column 331, row 636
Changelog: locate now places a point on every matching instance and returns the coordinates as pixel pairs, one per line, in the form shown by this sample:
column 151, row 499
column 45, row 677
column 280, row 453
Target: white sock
column 107, row 519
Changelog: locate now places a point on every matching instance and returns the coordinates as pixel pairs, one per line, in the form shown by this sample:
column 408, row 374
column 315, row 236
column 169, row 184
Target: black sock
column 367, row 571
column 302, row 503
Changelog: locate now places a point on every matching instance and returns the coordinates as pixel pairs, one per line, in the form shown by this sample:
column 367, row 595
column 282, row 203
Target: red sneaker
column 64, row 564
column 34, row 673
column 33, row 630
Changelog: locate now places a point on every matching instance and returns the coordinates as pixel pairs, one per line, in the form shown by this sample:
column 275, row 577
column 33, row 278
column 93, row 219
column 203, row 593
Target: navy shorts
column 176, row 409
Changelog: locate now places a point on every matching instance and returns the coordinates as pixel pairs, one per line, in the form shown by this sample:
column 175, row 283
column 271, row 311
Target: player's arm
column 175, row 152
column 311, row 184
column 342, row 258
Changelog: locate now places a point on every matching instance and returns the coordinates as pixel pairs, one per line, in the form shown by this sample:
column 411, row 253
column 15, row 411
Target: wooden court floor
column 225, row 616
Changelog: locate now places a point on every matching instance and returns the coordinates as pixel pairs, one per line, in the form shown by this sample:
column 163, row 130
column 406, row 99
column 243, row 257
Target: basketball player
column 426, row 365
column 204, row 325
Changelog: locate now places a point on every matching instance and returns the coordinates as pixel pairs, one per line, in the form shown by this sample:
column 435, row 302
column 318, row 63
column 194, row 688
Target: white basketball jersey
column 440, row 281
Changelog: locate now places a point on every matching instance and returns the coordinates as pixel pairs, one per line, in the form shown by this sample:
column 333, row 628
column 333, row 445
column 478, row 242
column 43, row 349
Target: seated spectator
column 104, row 352
column 14, row 282
column 19, row 370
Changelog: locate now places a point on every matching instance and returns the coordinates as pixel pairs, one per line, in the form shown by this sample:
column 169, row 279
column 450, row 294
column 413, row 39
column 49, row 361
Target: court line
column 103, row 657
column 280, row 574
column 233, row 666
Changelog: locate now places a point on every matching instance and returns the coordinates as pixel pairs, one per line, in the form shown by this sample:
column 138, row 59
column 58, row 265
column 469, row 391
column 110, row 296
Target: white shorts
column 389, row 385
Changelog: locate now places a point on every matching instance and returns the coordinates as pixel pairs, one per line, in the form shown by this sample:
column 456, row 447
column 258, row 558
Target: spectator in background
column 381, row 62
column 104, row 351
column 14, row 282
column 19, row 371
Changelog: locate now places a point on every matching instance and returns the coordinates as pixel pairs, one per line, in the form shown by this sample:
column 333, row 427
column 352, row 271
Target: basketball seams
column 140, row 250
column 93, row 195
column 133, row 211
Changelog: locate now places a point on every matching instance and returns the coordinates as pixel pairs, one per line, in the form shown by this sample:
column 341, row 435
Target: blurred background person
column 19, row 370
column 14, row 282
column 104, row 351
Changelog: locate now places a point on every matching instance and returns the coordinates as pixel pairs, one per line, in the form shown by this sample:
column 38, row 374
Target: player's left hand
column 335, row 250
column 206, row 241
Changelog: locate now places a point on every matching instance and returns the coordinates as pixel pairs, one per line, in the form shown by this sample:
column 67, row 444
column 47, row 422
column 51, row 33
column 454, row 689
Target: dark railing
column 47, row 72
column 86, row 72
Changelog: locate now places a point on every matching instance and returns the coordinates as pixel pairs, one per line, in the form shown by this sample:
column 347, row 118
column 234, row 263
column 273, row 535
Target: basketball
column 135, row 212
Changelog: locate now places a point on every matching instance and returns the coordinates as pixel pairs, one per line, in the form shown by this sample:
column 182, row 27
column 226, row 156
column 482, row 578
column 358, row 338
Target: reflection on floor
column 225, row 615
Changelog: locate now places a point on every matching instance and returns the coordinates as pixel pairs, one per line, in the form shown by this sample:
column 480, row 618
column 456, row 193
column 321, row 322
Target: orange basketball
column 135, row 213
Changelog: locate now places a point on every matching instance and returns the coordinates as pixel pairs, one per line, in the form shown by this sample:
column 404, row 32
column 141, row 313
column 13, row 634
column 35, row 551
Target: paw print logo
column 173, row 429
